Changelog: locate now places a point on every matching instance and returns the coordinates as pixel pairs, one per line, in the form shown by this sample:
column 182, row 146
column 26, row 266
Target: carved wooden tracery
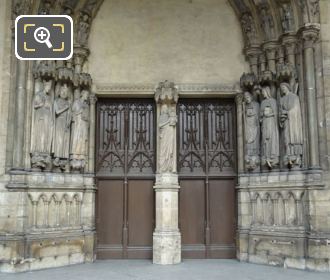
column 126, row 142
column 206, row 139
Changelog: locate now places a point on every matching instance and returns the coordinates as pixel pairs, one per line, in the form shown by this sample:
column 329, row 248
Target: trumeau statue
column 269, row 130
column 80, row 126
column 42, row 126
column 61, row 143
column 291, row 123
column 167, row 127
column 167, row 96
column 252, row 132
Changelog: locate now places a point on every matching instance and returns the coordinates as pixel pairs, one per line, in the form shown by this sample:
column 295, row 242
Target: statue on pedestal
column 80, row 127
column 167, row 96
column 269, row 130
column 42, row 127
column 61, row 143
column 167, row 132
column 252, row 132
column 291, row 123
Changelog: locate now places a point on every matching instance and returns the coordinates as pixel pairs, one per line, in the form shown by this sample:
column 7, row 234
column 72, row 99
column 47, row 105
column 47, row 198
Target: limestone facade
column 47, row 202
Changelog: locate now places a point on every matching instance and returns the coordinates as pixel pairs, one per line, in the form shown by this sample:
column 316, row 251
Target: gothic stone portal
column 126, row 173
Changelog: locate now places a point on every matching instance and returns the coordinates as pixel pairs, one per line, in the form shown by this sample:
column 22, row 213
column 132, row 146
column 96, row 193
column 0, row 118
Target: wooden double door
column 126, row 154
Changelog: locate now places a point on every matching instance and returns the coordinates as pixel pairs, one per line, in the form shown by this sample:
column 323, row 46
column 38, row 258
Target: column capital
column 270, row 49
column 239, row 98
column 253, row 52
column 92, row 99
column 310, row 34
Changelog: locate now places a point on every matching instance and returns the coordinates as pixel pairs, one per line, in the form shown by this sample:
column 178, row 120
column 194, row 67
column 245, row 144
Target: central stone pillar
column 166, row 237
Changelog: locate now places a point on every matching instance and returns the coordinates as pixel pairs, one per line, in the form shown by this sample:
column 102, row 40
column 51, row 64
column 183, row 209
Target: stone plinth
column 167, row 237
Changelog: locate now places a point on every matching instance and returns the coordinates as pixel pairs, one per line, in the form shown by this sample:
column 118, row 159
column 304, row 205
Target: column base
column 166, row 247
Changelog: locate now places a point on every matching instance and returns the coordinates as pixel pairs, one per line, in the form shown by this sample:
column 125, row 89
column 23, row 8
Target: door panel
column 192, row 208
column 140, row 216
column 125, row 174
column 110, row 229
column 222, row 224
column 206, row 167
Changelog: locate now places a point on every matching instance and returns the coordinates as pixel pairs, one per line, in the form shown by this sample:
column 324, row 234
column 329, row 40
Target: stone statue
column 167, row 127
column 249, row 29
column 291, row 123
column 83, row 29
column 269, row 130
column 267, row 24
column 252, row 132
column 166, row 96
column 61, row 143
column 42, row 126
column 287, row 18
column 80, row 126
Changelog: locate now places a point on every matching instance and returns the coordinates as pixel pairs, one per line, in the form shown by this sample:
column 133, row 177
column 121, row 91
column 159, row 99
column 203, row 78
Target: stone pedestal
column 167, row 237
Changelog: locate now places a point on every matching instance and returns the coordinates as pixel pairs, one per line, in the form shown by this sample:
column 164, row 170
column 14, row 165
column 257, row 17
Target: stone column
column 310, row 35
column 240, row 138
column 91, row 158
column 166, row 237
column 20, row 115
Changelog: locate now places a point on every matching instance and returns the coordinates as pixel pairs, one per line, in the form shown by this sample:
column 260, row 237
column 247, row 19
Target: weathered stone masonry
column 47, row 188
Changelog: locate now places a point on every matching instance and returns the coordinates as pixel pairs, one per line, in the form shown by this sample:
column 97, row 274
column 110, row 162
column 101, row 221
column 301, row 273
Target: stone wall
column 138, row 42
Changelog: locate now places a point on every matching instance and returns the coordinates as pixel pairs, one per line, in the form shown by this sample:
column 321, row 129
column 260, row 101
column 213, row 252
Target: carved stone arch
column 56, row 197
column 43, row 197
column 65, row 198
column 277, row 195
column 77, row 197
column 264, row 195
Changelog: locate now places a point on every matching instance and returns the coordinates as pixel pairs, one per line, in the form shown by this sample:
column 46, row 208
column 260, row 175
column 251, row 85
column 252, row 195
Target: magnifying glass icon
column 41, row 35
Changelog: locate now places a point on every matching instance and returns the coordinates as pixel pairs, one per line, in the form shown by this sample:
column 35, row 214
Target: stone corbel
column 290, row 43
column 253, row 54
column 270, row 49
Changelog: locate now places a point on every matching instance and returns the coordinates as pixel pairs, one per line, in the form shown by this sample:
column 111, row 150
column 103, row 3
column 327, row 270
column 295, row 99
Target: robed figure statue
column 167, row 126
column 252, row 132
column 291, row 123
column 269, row 130
column 42, row 126
column 80, row 126
column 61, row 143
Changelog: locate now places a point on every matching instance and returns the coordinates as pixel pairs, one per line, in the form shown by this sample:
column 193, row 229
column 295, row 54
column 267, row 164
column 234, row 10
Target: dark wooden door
column 125, row 178
column 206, row 166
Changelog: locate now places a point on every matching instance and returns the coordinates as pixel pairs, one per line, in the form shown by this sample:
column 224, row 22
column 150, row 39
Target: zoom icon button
column 43, row 37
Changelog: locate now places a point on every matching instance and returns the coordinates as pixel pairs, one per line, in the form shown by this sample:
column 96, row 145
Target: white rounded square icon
column 43, row 37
